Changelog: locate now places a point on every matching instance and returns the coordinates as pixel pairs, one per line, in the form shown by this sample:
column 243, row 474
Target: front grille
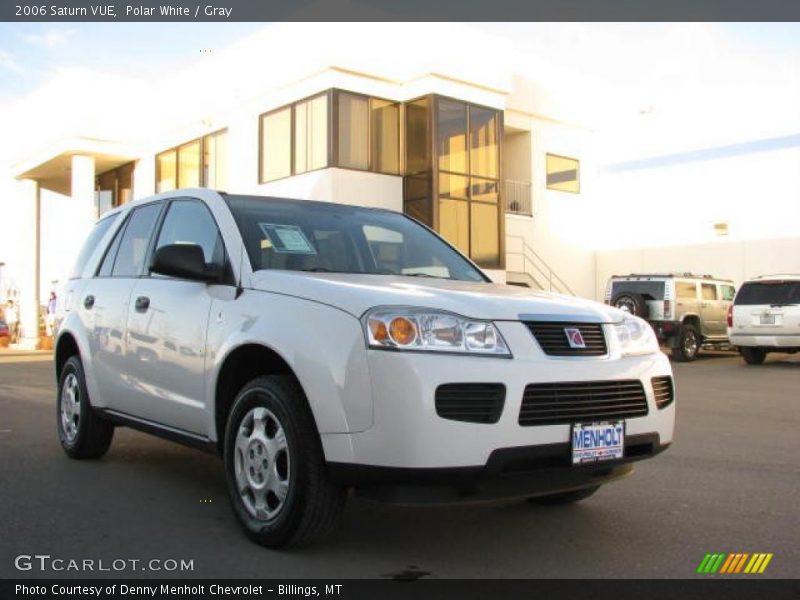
column 471, row 402
column 553, row 340
column 580, row 401
column 663, row 390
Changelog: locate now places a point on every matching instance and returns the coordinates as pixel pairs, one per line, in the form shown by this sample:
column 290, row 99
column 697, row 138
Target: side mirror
column 185, row 261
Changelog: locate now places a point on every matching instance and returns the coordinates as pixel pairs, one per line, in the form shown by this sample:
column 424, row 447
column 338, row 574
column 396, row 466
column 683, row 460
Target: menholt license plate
column 595, row 442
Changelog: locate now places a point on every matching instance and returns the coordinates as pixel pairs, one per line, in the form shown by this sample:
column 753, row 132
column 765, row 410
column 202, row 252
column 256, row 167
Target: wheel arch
column 66, row 346
column 240, row 366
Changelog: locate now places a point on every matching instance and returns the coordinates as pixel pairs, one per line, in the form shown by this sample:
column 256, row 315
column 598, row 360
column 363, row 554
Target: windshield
column 298, row 235
column 769, row 292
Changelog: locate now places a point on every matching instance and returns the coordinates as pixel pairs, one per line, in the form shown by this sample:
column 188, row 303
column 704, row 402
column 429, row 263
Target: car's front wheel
column 753, row 356
column 83, row 434
column 275, row 468
column 563, row 498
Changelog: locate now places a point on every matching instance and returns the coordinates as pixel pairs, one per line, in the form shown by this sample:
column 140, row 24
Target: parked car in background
column 5, row 334
column 765, row 317
column 324, row 347
column 686, row 311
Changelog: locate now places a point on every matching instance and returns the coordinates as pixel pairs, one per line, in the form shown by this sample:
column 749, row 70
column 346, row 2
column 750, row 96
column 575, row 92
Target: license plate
column 768, row 319
column 596, row 442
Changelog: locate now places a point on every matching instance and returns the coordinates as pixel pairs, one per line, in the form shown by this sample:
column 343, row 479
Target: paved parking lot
column 729, row 483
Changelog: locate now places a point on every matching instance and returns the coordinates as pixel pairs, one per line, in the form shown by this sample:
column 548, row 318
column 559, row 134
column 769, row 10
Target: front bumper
column 408, row 434
column 510, row 472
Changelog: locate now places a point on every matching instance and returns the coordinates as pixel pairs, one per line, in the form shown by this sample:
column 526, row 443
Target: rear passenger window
column 90, row 244
column 108, row 260
column 685, row 290
column 133, row 247
column 709, row 291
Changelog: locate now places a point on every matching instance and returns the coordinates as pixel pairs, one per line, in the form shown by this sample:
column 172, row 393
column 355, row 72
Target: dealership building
column 465, row 141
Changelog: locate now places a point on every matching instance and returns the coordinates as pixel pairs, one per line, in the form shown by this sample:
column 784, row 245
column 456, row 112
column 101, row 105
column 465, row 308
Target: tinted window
column 769, row 292
column 133, row 247
column 728, row 292
column 316, row 236
column 89, row 245
column 108, row 260
column 709, row 291
column 190, row 222
column 685, row 289
column 651, row 290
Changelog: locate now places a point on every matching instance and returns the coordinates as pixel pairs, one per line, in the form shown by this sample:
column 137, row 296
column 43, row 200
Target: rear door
column 767, row 307
column 686, row 301
column 712, row 315
column 104, row 306
column 167, row 326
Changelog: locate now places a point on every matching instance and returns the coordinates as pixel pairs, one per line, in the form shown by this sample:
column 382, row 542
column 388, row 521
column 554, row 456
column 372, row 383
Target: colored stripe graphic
column 720, row 562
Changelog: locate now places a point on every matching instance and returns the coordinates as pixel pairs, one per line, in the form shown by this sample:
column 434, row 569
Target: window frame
column 176, row 163
column 292, row 134
column 577, row 173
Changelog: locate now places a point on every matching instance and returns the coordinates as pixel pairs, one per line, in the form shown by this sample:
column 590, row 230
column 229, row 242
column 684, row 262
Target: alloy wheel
column 70, row 407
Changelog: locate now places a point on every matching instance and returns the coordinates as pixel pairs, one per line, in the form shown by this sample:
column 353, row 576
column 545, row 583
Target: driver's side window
column 190, row 222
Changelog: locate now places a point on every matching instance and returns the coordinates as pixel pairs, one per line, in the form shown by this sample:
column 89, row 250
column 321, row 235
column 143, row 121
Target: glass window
column 769, row 292
column 562, row 174
column 276, row 145
column 107, row 266
column 190, row 222
column 133, row 247
column 166, row 171
column 484, row 234
column 454, row 223
column 452, row 135
column 189, row 165
column 418, row 142
column 215, row 161
column 685, row 289
column 353, row 131
column 728, row 292
column 385, row 136
column 311, row 134
column 708, row 291
column 484, row 157
column 89, row 245
column 316, row 236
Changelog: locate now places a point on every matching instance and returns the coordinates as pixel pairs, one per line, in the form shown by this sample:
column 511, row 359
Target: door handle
column 88, row 302
column 142, row 303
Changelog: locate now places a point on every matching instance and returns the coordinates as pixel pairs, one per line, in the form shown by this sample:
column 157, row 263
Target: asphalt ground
column 729, row 483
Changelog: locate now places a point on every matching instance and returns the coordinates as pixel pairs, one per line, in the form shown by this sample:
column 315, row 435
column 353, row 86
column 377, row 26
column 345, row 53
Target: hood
column 357, row 293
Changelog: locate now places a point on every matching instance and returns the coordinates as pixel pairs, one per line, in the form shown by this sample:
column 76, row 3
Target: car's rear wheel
column 275, row 468
column 688, row 344
column 83, row 434
column 563, row 498
column 753, row 356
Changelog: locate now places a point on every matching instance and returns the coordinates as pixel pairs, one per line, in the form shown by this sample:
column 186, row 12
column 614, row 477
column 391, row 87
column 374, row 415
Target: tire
column 275, row 469
column 689, row 343
column 752, row 355
column 564, row 498
column 635, row 304
column 83, row 434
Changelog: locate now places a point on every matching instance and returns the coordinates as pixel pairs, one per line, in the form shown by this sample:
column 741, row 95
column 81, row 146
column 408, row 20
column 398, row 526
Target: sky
column 648, row 89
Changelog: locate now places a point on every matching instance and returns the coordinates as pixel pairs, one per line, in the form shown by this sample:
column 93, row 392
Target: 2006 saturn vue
column 321, row 348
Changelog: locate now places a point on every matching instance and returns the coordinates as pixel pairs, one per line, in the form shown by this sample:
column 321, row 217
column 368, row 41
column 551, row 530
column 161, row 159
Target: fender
column 331, row 367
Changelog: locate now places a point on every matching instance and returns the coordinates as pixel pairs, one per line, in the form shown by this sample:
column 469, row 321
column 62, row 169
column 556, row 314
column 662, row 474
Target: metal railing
column 537, row 269
column 519, row 200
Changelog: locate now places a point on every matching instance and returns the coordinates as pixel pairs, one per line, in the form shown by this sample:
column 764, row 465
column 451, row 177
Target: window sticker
column 287, row 239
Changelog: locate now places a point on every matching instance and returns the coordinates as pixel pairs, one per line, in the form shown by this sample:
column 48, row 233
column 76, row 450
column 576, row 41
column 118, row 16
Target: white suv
column 321, row 347
column 765, row 317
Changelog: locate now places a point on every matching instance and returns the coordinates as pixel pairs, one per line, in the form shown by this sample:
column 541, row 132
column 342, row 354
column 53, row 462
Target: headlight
column 431, row 330
column 636, row 336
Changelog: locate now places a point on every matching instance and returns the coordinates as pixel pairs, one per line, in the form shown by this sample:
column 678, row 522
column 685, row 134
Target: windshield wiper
column 424, row 275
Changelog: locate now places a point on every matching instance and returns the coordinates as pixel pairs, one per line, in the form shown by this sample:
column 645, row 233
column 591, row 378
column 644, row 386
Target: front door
column 167, row 327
